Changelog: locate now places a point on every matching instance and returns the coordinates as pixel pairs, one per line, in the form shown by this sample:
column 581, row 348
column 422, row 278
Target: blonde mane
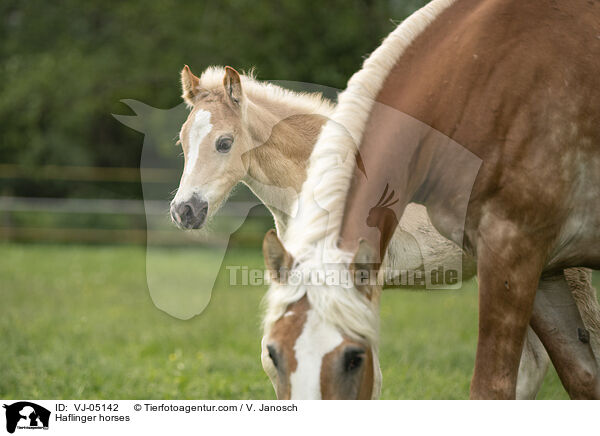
column 332, row 161
column 269, row 93
column 312, row 235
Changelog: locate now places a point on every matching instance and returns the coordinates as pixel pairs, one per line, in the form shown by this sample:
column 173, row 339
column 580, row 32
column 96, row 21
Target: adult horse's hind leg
column 535, row 360
column 557, row 322
column 533, row 367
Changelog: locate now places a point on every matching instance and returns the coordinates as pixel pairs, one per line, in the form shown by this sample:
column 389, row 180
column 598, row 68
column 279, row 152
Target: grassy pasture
column 77, row 322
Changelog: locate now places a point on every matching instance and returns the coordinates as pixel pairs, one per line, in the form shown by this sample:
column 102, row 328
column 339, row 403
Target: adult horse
column 290, row 124
column 515, row 85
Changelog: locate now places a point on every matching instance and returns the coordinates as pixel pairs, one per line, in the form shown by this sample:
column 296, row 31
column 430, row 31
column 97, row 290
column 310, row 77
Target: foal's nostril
column 187, row 213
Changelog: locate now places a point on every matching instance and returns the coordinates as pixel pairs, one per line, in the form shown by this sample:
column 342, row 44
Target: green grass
column 78, row 322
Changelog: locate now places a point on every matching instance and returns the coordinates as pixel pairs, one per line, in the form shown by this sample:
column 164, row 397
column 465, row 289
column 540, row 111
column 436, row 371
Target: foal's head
column 320, row 342
column 214, row 139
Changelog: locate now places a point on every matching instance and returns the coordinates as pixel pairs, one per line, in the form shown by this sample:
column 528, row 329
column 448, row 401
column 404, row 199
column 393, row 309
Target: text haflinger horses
column 275, row 169
column 457, row 81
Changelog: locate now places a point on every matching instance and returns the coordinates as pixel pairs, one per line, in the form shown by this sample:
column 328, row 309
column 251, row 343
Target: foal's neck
column 284, row 136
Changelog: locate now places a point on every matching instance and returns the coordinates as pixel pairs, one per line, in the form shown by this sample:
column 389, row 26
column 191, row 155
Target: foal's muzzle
column 189, row 214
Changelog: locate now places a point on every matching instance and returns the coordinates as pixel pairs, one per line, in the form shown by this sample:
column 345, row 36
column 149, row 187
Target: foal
column 242, row 130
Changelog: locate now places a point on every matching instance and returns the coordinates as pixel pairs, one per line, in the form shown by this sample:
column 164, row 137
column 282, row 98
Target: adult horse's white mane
column 332, row 161
column 312, row 235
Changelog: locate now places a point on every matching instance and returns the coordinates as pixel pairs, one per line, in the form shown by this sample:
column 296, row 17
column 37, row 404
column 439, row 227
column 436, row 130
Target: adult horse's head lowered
column 234, row 121
column 321, row 342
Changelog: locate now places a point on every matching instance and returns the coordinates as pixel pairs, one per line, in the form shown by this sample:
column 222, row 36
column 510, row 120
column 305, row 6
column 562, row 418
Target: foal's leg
column 509, row 269
column 557, row 322
column 533, row 367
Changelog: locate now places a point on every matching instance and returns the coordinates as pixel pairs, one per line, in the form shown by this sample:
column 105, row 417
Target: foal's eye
column 224, row 144
column 272, row 354
column 353, row 358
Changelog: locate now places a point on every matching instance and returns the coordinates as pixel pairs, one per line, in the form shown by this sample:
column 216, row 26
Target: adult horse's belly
column 578, row 243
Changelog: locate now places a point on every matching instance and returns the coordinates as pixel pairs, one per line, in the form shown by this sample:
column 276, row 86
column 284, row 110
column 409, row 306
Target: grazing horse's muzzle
column 189, row 214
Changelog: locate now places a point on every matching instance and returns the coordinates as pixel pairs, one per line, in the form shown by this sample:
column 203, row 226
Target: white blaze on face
column 200, row 128
column 316, row 340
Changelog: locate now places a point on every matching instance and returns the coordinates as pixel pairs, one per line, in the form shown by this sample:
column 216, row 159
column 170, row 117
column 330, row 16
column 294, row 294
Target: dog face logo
column 26, row 415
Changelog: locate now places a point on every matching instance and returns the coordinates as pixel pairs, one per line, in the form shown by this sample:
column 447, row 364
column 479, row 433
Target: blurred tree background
column 66, row 65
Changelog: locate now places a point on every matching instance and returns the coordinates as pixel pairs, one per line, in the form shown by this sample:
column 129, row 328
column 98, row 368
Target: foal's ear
column 277, row 260
column 190, row 86
column 364, row 267
column 233, row 85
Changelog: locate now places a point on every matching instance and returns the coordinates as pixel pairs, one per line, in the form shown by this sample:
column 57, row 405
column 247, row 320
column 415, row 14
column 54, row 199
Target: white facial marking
column 316, row 340
column 200, row 128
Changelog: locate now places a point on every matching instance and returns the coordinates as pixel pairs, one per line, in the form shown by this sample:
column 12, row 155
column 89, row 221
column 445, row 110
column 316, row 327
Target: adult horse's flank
column 275, row 169
column 517, row 84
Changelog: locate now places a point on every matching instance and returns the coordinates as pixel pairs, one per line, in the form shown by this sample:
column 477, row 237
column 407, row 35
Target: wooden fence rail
column 11, row 230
